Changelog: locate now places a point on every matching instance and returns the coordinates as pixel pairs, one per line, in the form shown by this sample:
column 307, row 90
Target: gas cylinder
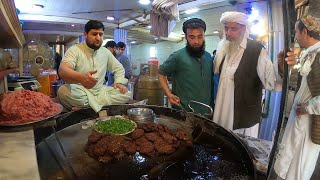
column 147, row 85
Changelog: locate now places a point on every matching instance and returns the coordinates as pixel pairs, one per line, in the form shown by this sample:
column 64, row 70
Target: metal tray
column 33, row 122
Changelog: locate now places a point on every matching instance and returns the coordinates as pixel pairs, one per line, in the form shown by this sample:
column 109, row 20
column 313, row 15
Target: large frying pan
column 215, row 155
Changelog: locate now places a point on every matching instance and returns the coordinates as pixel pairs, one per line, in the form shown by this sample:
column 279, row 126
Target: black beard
column 92, row 46
column 196, row 52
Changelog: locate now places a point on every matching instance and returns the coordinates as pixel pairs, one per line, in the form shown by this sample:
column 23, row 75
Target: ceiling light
column 110, row 18
column 133, row 42
column 254, row 15
column 173, row 34
column 153, row 51
column 258, row 29
column 190, row 11
column 215, row 32
column 37, row 6
column 144, row 2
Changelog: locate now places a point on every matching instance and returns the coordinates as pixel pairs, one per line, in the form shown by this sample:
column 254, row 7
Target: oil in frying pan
column 205, row 165
column 189, row 164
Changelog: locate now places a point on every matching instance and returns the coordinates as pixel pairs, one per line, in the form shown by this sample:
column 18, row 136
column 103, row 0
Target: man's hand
column 290, row 59
column 121, row 87
column 301, row 109
column 88, row 80
column 174, row 100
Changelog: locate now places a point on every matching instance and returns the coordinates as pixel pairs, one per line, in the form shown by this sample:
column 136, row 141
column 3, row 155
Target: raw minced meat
column 26, row 106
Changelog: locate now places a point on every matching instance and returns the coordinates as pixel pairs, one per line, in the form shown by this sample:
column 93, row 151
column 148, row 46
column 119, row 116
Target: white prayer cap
column 234, row 16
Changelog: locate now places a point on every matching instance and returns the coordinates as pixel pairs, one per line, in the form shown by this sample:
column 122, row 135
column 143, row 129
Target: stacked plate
column 141, row 114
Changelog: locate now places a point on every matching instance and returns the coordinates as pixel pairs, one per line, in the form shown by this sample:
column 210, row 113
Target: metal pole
column 289, row 19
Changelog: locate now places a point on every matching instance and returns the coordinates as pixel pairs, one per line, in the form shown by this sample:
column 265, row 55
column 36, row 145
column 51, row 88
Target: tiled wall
column 140, row 53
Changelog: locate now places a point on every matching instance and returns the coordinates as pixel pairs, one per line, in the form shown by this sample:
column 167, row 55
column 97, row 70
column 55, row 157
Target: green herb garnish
column 115, row 126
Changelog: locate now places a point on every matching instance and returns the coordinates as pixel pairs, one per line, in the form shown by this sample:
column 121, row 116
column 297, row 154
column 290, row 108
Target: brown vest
column 313, row 77
column 313, row 81
column 247, row 88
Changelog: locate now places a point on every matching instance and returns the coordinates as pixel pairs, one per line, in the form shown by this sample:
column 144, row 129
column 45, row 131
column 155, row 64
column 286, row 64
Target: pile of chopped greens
column 115, row 126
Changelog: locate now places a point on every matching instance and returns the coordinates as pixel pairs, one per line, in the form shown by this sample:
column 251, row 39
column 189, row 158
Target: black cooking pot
column 216, row 153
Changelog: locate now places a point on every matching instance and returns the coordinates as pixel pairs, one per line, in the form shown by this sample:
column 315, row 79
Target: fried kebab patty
column 149, row 139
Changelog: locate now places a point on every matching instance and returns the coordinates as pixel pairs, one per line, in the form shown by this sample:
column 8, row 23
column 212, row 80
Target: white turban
column 234, row 16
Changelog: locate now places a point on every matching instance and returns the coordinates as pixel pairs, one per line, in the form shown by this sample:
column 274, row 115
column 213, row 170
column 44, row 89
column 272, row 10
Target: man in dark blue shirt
column 120, row 49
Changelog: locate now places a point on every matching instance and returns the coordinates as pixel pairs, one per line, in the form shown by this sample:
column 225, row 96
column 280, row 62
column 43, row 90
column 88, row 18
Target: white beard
column 231, row 47
column 225, row 47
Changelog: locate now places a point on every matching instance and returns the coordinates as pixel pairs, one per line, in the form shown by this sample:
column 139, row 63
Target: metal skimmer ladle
column 200, row 130
column 189, row 118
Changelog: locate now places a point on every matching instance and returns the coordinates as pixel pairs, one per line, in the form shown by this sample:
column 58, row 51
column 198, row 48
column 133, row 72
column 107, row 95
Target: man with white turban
column 244, row 68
